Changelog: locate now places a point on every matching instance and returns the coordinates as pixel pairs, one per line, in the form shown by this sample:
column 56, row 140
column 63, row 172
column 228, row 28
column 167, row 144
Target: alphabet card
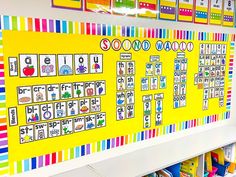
column 90, row 122
column 146, row 121
column 24, row 95
column 41, row 131
column 120, row 98
column 149, row 69
column 144, row 83
column 78, row 89
column 158, row 119
column 158, row 68
column 95, row 104
column 130, row 111
column 54, row 129
column 32, row 113
column 163, row 82
column 130, row 97
column 159, row 106
column 120, row 113
column 121, row 68
column 65, row 65
column 53, row 92
column 81, row 64
column 39, row 93
column 26, row 134
column 84, row 106
column 130, row 67
column 72, row 108
column 100, row 120
column 120, row 83
column 79, row 124
column 46, row 111
column 47, row 65
column 60, row 109
column 147, row 107
column 66, row 91
column 89, row 88
column 130, row 82
column 66, row 126
column 96, row 63
column 100, row 87
column 28, row 65
column 154, row 82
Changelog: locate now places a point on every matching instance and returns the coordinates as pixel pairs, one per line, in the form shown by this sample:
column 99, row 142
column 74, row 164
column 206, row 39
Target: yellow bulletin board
column 70, row 90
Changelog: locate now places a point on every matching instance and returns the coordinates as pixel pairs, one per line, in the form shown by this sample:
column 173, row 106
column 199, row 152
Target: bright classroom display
column 100, row 86
column 185, row 10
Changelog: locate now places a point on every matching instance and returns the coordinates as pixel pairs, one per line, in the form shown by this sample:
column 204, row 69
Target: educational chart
column 211, row 75
column 228, row 13
column 185, row 10
column 147, row 8
column 167, row 9
column 201, row 11
column 216, row 8
column 91, row 91
column 101, row 6
column 124, row 7
column 216, row 12
column 70, row 4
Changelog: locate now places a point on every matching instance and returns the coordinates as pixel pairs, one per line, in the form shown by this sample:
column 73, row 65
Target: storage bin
column 206, row 174
column 231, row 168
column 213, row 172
column 175, row 170
column 222, row 169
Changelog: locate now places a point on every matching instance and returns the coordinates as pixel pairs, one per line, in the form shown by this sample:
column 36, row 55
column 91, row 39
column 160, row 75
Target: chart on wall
column 201, row 11
column 92, row 84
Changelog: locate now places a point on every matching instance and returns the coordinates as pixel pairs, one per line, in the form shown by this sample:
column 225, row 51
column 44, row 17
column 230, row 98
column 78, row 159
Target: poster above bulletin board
column 201, row 11
column 99, row 87
column 216, row 9
column 167, row 9
column 124, row 7
column 185, row 10
column 77, row 4
column 147, row 8
column 228, row 13
column 102, row 6
column 215, row 12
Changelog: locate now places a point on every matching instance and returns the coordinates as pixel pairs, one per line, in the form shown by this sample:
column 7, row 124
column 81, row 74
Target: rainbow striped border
column 79, row 151
column 230, row 75
column 68, row 27
column 4, row 164
column 62, row 26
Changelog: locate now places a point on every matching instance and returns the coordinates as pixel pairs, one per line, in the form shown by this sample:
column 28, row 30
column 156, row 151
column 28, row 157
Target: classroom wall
column 42, row 9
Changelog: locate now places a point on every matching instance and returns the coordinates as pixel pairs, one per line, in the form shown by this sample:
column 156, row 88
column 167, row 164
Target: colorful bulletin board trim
column 87, row 149
column 69, row 4
column 102, row 6
column 185, row 10
column 201, row 11
column 228, row 13
column 16, row 24
column 168, row 9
